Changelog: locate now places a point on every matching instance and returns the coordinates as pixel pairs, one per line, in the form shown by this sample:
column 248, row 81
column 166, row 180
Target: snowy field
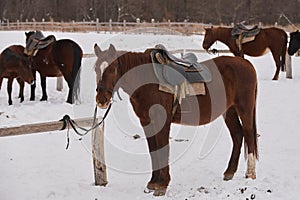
column 38, row 167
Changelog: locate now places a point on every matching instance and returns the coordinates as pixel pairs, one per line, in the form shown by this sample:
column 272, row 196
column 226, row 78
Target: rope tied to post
column 69, row 122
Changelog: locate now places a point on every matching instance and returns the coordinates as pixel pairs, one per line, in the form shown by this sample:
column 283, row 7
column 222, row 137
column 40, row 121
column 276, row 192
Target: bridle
column 104, row 88
column 67, row 121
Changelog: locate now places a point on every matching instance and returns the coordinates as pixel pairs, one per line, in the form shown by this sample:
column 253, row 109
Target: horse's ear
column 297, row 31
column 112, row 50
column 26, row 33
column 97, row 50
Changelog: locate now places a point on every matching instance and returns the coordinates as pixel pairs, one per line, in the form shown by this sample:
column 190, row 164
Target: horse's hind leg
column 247, row 117
column 21, row 91
column 278, row 65
column 235, row 128
column 9, row 89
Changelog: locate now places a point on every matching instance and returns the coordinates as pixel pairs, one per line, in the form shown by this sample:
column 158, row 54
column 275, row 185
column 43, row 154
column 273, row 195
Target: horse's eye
column 112, row 71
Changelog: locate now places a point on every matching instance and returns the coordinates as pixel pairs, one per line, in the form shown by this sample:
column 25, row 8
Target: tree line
column 202, row 11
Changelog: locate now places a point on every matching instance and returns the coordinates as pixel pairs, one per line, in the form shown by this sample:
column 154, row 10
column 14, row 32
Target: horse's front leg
column 9, row 89
column 32, row 87
column 157, row 133
column 43, row 84
column 21, row 90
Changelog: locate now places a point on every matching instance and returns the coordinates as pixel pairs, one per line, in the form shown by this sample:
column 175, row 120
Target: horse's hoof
column 251, row 175
column 44, row 99
column 148, row 191
column 160, row 192
column 227, row 177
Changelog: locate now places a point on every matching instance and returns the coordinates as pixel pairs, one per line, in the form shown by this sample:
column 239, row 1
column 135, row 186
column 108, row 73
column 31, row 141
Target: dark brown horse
column 274, row 39
column 62, row 57
column 294, row 43
column 15, row 64
column 231, row 93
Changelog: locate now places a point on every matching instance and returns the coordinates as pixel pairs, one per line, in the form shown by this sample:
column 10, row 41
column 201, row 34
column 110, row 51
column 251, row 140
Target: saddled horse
column 61, row 57
column 274, row 39
column 231, row 93
column 294, row 43
column 15, row 64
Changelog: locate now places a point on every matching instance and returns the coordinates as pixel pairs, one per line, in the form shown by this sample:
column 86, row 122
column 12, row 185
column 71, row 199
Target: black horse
column 294, row 44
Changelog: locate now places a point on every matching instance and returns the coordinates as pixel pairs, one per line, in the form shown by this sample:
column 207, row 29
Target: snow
column 38, row 166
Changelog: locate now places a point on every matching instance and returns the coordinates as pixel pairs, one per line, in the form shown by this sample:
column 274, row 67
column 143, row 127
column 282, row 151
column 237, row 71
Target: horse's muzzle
column 102, row 103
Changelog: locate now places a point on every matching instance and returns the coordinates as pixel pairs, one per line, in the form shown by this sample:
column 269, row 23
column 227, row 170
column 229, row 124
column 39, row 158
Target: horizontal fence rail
column 168, row 27
column 135, row 27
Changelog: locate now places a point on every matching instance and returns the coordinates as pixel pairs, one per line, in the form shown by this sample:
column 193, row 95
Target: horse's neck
column 223, row 35
column 136, row 71
column 131, row 60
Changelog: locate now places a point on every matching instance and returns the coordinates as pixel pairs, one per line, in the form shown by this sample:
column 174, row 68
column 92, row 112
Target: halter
column 117, row 79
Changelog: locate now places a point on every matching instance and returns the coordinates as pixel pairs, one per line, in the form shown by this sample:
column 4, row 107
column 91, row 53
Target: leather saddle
column 172, row 70
column 241, row 29
column 38, row 41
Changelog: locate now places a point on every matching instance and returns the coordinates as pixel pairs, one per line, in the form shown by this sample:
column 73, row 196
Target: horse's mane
column 134, row 59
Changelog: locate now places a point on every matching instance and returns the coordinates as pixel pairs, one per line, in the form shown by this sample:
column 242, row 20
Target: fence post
column 98, row 155
column 73, row 25
column 97, row 25
column 288, row 61
column 110, row 25
column 124, row 25
column 59, row 83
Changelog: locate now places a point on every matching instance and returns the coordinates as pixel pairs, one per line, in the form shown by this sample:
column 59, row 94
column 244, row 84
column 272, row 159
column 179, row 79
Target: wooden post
column 110, row 25
column 98, row 156
column 288, row 61
column 59, row 83
column 97, row 25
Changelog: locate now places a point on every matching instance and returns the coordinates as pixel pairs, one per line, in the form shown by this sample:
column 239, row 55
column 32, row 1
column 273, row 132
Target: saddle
column 38, row 41
column 173, row 70
column 241, row 29
column 242, row 34
column 180, row 76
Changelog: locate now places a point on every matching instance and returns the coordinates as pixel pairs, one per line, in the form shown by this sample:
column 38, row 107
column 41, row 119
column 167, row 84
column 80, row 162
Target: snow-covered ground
column 37, row 167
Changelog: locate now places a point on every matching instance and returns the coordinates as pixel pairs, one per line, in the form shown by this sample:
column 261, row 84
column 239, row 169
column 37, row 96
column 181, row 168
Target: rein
column 67, row 122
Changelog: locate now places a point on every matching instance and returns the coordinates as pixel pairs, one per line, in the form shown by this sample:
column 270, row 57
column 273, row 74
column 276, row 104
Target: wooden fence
column 96, row 26
column 97, row 141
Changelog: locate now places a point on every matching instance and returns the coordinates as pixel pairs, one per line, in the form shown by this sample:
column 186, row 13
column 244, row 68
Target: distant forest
column 204, row 11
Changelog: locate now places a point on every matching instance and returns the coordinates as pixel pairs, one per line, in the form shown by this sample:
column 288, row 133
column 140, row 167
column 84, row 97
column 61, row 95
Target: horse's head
column 25, row 70
column 15, row 61
column 107, row 70
column 32, row 36
column 294, row 43
column 208, row 38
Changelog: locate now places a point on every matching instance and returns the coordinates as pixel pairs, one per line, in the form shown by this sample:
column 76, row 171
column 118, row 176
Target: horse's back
column 235, row 69
column 275, row 34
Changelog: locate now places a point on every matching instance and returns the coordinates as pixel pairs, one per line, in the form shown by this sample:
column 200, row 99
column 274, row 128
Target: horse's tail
column 77, row 52
column 1, row 79
column 283, row 52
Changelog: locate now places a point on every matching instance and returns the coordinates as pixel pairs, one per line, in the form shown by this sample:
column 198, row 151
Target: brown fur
column 232, row 93
column 62, row 57
column 15, row 64
column 274, row 39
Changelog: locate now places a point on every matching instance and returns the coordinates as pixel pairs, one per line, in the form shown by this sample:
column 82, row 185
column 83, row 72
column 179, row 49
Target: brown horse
column 15, row 64
column 62, row 57
column 274, row 39
column 231, row 93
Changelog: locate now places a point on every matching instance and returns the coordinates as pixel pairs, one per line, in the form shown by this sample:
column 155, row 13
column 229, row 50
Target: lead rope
column 67, row 122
